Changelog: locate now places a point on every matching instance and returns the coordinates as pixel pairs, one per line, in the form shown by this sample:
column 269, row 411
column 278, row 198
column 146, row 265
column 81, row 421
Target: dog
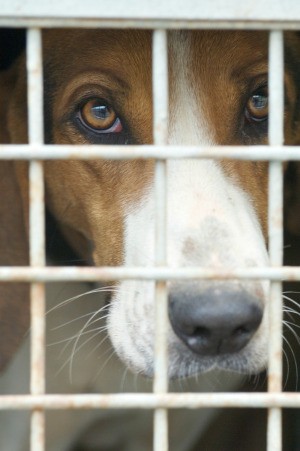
column 97, row 87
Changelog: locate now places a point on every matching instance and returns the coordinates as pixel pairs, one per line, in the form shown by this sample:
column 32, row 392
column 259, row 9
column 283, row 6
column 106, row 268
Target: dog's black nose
column 218, row 321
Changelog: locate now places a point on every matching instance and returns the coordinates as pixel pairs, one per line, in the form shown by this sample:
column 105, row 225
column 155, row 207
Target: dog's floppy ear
column 292, row 199
column 14, row 297
column 292, row 176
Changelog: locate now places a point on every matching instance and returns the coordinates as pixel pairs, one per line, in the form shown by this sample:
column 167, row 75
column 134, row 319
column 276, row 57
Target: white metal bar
column 175, row 24
column 231, row 10
column 276, row 137
column 119, row 152
column 36, row 232
column 169, row 400
column 160, row 134
column 36, row 214
column 106, row 273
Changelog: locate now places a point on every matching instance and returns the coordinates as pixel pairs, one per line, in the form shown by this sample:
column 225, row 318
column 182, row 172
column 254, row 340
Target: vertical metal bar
column 160, row 130
column 36, row 233
column 276, row 137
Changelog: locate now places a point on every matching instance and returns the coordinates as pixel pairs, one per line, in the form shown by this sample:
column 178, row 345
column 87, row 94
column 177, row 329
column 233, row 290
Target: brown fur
column 14, row 300
column 89, row 198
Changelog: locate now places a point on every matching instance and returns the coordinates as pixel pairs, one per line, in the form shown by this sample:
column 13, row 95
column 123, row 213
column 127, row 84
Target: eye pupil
column 101, row 111
column 257, row 106
column 259, row 101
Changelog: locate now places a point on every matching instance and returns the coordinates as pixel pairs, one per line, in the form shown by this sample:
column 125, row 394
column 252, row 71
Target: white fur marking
column 206, row 210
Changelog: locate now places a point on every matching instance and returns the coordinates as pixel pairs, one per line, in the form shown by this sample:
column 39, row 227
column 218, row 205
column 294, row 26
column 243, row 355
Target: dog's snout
column 215, row 322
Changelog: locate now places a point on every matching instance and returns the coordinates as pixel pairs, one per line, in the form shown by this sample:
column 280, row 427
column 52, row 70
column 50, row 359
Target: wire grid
column 160, row 400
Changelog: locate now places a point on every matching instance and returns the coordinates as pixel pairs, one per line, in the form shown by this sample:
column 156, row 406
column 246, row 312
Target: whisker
column 290, row 310
column 106, row 361
column 123, row 379
column 256, row 380
column 98, row 344
column 291, row 300
column 70, row 359
column 291, row 316
column 69, row 339
column 80, row 317
column 291, row 313
column 292, row 325
column 289, row 326
column 108, row 289
column 294, row 358
column 103, row 317
column 89, row 339
column 287, row 368
column 77, row 340
column 72, row 355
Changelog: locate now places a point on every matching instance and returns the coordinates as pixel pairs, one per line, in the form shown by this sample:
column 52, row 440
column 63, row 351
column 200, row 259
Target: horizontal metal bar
column 155, row 11
column 105, row 273
column 118, row 152
column 169, row 24
column 150, row 401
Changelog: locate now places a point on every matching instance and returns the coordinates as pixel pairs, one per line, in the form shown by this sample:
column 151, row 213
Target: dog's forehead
column 115, row 49
column 123, row 48
column 231, row 46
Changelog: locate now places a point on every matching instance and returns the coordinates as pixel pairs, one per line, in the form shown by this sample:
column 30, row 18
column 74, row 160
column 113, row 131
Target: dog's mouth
column 184, row 363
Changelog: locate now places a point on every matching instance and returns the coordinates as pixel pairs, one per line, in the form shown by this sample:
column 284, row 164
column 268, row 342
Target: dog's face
column 98, row 90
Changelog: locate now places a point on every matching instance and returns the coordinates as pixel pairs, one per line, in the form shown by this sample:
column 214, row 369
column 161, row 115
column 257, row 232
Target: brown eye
column 100, row 117
column 257, row 106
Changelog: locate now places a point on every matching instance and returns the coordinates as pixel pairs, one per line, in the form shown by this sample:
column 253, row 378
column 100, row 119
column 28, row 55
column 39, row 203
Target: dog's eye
column 257, row 106
column 100, row 117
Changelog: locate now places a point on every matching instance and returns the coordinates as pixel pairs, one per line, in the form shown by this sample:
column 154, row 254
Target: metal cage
column 159, row 16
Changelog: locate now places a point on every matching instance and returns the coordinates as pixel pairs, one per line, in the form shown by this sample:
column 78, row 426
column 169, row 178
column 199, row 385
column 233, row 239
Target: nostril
column 205, row 333
column 189, row 329
column 242, row 330
column 201, row 332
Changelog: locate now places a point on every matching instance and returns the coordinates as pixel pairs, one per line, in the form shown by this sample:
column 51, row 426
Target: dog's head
column 98, row 90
